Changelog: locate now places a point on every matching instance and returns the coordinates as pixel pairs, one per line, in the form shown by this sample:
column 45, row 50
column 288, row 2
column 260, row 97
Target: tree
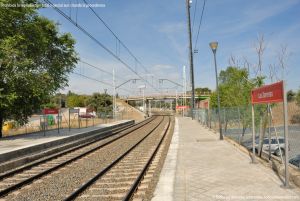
column 290, row 95
column 100, row 102
column 34, row 61
column 55, row 101
column 75, row 100
column 204, row 90
column 260, row 49
column 235, row 89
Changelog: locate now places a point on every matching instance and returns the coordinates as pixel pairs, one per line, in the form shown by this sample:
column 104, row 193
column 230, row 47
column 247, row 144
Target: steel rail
column 138, row 180
column 113, row 132
column 29, row 180
column 81, row 189
column 59, row 154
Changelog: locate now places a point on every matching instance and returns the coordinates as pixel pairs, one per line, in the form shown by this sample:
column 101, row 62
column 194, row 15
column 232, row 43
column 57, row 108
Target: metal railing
column 39, row 122
column 236, row 125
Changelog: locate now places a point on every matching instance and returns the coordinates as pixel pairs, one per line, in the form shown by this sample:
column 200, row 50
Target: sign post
column 286, row 133
column 69, row 120
column 269, row 130
column 58, row 122
column 253, row 136
column 88, row 111
column 44, row 124
column 73, row 110
column 52, row 111
column 79, row 120
column 273, row 93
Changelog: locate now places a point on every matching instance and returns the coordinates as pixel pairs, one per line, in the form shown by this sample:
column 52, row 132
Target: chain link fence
column 65, row 120
column 237, row 125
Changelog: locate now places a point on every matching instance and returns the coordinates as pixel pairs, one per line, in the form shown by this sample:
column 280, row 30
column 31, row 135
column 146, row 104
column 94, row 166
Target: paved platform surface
column 13, row 143
column 200, row 167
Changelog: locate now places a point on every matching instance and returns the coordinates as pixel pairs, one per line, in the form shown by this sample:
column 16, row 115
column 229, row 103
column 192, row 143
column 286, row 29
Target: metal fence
column 237, row 125
column 40, row 122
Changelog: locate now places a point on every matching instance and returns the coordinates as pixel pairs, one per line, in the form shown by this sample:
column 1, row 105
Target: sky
column 155, row 32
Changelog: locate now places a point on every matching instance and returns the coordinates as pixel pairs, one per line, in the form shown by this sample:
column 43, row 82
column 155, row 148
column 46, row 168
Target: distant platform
column 12, row 143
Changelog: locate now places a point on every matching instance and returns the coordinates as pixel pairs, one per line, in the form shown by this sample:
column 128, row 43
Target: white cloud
column 172, row 27
column 255, row 14
column 162, row 67
column 176, row 34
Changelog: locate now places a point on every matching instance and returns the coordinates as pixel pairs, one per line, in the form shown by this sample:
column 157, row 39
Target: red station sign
column 204, row 104
column 272, row 93
column 50, row 111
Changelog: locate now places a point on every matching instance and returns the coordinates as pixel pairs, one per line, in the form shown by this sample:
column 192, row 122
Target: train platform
column 199, row 166
column 19, row 142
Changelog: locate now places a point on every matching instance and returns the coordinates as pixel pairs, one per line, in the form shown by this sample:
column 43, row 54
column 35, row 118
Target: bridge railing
column 165, row 95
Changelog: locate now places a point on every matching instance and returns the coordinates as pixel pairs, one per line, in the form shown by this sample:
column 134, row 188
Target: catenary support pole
column 191, row 57
column 114, row 96
column 184, row 90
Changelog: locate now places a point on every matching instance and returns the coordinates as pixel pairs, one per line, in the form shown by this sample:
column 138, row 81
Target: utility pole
column 144, row 108
column 184, row 90
column 191, row 57
column 149, row 106
column 105, row 109
column 114, row 96
column 176, row 102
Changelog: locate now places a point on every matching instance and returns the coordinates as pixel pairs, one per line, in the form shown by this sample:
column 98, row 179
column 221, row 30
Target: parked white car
column 276, row 145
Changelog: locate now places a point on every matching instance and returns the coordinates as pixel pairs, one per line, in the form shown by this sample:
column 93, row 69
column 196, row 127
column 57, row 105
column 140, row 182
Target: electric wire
column 115, row 35
column 100, row 81
column 195, row 11
column 98, row 42
column 119, row 41
column 98, row 68
column 90, row 78
column 203, row 7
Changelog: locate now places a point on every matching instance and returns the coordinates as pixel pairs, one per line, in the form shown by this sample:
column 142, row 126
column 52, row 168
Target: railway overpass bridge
column 168, row 96
column 158, row 102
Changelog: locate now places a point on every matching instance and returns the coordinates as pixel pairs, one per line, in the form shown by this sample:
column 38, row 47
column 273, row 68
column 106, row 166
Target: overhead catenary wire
column 200, row 23
column 98, row 68
column 90, row 78
column 98, row 42
column 91, row 65
column 119, row 42
column 115, row 35
column 195, row 11
column 100, row 81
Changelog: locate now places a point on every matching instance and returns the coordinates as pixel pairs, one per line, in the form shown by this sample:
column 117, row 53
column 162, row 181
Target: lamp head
column 213, row 46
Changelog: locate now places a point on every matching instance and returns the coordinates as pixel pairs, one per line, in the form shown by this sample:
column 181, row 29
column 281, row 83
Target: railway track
column 121, row 179
column 58, row 177
column 19, row 177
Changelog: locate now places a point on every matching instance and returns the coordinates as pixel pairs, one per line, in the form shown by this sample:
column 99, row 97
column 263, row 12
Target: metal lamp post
column 214, row 46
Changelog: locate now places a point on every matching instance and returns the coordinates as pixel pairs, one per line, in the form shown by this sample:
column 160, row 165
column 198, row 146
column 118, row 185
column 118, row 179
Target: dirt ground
column 277, row 109
column 129, row 112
